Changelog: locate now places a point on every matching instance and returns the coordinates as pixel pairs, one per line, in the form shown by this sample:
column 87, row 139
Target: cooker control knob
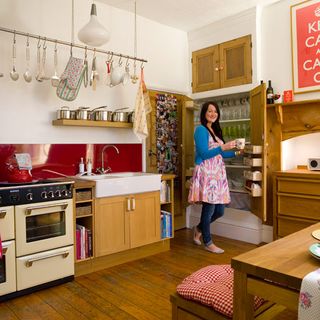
column 58, row 194
column 50, row 194
column 29, row 196
column 65, row 192
column 44, row 195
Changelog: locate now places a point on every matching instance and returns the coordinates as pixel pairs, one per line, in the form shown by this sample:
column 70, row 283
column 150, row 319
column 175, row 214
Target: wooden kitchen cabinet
column 126, row 222
column 296, row 201
column 223, row 65
column 84, row 209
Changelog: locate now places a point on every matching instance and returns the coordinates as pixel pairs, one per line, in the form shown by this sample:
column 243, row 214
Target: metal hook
column 120, row 60
column 28, row 40
column 141, row 67
column 127, row 62
column 39, row 44
column 111, row 56
column 85, row 52
column 71, row 46
column 94, row 52
column 56, row 46
column 45, row 43
column 14, row 36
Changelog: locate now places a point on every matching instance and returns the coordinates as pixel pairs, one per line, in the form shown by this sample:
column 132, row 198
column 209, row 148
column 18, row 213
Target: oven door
column 8, row 268
column 43, row 267
column 7, row 223
column 43, row 226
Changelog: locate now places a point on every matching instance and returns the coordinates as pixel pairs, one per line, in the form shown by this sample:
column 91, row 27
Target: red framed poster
column 305, row 43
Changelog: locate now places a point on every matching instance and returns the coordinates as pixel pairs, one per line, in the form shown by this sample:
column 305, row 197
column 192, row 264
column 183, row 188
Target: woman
column 209, row 182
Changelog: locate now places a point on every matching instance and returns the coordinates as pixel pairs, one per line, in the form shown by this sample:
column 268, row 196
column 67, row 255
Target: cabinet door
column 258, row 134
column 144, row 218
column 205, row 69
column 235, row 62
column 111, row 225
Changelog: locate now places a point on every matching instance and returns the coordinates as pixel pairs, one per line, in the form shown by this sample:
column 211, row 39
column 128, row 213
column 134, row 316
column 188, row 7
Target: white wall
column 27, row 109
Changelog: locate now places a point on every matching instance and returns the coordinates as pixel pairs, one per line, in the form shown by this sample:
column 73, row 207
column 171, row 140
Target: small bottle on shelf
column 270, row 95
column 81, row 166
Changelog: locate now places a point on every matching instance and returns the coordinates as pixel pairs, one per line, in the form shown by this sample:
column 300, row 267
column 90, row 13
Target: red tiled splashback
column 65, row 158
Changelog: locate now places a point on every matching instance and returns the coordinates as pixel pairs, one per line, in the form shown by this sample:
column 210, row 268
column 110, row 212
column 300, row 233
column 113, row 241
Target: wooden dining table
column 274, row 272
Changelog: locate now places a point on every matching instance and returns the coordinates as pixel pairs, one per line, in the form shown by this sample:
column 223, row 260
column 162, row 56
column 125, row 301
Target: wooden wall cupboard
column 222, row 65
column 296, row 201
column 126, row 222
column 84, row 209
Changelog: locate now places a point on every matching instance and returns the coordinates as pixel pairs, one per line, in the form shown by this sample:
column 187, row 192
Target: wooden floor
column 136, row 290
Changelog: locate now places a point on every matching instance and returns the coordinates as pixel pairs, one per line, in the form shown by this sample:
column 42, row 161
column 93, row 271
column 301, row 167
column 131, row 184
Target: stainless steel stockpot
column 82, row 113
column 64, row 113
column 121, row 116
column 101, row 114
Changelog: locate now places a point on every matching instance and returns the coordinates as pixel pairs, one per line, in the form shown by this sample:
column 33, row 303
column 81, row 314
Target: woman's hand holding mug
column 229, row 145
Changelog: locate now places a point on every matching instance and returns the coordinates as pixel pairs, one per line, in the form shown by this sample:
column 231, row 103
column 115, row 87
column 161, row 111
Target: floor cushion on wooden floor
column 212, row 286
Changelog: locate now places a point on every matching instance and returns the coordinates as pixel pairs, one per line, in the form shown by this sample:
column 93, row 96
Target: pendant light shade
column 94, row 33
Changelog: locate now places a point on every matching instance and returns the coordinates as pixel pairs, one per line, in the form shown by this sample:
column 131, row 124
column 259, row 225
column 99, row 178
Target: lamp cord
column 72, row 23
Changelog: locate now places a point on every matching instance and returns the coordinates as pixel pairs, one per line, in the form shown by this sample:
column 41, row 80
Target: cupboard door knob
column 216, row 68
column 221, row 68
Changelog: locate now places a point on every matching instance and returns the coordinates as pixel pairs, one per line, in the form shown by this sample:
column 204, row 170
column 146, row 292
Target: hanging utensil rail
column 70, row 44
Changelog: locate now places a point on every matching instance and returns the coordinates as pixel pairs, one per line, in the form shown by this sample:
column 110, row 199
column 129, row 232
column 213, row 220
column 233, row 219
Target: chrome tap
column 102, row 170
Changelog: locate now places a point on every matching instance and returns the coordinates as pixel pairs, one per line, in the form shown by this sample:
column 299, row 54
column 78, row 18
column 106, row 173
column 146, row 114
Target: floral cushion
column 212, row 286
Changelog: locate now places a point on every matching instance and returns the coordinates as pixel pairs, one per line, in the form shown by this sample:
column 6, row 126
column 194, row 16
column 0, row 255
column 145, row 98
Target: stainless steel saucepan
column 121, row 116
column 101, row 114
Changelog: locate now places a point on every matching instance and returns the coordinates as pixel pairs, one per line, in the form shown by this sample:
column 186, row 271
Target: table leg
column 242, row 301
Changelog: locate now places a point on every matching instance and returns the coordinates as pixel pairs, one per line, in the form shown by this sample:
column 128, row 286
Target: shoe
column 214, row 250
column 195, row 234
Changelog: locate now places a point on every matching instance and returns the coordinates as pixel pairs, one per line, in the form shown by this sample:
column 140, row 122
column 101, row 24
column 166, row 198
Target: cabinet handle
column 216, row 68
column 221, row 68
column 128, row 204
column 64, row 255
column 133, row 203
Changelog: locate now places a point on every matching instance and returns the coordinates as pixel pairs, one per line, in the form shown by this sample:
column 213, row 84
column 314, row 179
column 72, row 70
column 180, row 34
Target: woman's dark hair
column 216, row 125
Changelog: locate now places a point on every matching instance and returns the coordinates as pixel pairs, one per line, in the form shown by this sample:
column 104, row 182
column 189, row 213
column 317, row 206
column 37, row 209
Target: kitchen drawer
column 309, row 187
column 288, row 225
column 44, row 267
column 303, row 207
column 7, row 223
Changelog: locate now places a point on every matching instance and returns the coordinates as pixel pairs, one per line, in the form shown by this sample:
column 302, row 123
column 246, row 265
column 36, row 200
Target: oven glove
column 71, row 79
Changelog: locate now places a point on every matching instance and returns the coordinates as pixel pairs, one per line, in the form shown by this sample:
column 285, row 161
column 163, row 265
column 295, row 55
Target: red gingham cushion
column 212, row 286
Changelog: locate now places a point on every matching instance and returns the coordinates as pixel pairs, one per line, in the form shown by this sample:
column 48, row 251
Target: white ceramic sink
column 113, row 184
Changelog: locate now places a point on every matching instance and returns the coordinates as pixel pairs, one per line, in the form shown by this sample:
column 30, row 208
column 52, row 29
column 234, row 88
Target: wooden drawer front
column 310, row 187
column 299, row 206
column 287, row 226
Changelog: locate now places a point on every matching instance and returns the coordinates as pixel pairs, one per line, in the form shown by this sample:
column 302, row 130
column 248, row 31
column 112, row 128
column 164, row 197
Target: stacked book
column 166, row 224
column 83, row 242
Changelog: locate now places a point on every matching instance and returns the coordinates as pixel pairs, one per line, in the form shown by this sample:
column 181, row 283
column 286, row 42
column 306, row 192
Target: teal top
column 201, row 138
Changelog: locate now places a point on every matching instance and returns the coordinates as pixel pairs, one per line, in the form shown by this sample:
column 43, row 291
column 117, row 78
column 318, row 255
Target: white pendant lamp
column 94, row 33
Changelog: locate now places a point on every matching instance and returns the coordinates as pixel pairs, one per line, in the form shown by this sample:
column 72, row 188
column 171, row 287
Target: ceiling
column 186, row 15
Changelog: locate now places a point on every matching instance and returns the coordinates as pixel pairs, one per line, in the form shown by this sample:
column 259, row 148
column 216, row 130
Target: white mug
column 240, row 143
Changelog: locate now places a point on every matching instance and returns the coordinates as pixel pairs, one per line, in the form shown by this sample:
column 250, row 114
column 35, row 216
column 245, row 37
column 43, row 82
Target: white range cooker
column 36, row 229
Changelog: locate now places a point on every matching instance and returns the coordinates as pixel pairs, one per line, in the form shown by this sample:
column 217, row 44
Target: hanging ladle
column 14, row 75
column 27, row 75
column 55, row 79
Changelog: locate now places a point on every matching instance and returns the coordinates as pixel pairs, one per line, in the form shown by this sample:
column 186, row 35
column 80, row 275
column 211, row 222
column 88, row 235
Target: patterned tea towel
column 309, row 300
column 142, row 109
